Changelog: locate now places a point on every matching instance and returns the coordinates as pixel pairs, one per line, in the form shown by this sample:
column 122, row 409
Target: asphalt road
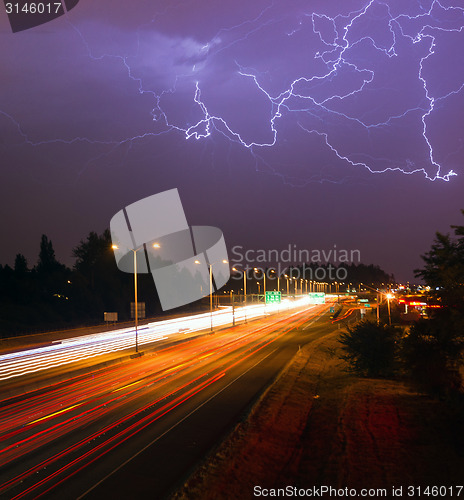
column 136, row 429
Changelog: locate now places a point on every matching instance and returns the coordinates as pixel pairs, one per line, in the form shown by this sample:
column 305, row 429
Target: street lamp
column 135, row 250
column 264, row 276
column 244, row 283
column 244, row 290
column 211, row 288
column 273, row 271
column 389, row 297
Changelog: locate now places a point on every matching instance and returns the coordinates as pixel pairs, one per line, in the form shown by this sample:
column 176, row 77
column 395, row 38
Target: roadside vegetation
column 429, row 355
column 371, row 350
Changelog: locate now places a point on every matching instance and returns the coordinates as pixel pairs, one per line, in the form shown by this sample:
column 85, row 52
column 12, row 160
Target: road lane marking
column 54, row 414
column 173, row 426
column 126, row 386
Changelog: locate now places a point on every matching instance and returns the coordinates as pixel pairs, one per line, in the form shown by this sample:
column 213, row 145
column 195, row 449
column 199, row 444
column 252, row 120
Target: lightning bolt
column 311, row 99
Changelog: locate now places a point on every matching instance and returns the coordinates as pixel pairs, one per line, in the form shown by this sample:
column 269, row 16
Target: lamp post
column 389, row 297
column 115, row 247
column 244, row 290
column 264, row 277
column 378, row 308
column 211, row 294
column 273, row 271
column 211, row 288
column 244, row 282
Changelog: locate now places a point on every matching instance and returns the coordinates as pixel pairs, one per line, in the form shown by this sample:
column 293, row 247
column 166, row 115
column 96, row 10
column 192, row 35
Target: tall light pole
column 378, row 308
column 389, row 297
column 115, row 247
column 211, row 288
column 264, row 277
column 244, row 283
column 244, row 292
column 211, row 294
column 273, row 271
column 136, row 305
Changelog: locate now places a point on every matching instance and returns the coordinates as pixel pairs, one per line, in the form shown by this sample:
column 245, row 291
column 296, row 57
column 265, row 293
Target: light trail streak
column 85, row 347
column 241, row 345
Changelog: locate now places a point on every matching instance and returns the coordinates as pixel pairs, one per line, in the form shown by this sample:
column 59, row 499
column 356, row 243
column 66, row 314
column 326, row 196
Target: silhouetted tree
column 444, row 269
column 47, row 261
column 20, row 265
column 434, row 349
column 370, row 349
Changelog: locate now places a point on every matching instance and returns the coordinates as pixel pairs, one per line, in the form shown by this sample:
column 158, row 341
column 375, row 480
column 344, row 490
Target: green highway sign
column 363, row 300
column 273, row 298
column 316, row 298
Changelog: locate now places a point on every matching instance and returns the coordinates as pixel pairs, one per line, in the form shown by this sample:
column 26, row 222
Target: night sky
column 315, row 123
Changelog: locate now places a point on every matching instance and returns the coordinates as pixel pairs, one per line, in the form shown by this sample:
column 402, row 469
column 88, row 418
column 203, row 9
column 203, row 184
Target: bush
column 371, row 349
column 432, row 354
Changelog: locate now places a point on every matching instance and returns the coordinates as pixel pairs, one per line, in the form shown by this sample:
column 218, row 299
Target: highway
column 65, row 352
column 137, row 428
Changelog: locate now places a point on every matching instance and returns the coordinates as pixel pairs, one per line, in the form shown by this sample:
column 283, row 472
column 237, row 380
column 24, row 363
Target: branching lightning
column 309, row 111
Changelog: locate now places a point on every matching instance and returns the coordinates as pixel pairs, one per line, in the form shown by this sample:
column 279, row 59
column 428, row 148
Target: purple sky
column 289, row 122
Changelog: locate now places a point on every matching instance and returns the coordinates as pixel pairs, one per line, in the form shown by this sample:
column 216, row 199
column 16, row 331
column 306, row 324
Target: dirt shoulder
column 318, row 425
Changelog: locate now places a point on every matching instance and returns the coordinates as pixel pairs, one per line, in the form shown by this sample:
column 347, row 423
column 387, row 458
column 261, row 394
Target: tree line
column 50, row 295
column 431, row 352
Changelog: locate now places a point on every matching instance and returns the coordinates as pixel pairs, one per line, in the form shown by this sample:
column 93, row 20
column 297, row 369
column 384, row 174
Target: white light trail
column 88, row 346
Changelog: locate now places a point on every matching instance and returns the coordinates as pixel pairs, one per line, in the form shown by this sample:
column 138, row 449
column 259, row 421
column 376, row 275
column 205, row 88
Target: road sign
column 273, row 298
column 316, row 298
column 332, row 309
column 140, row 310
column 363, row 300
column 110, row 317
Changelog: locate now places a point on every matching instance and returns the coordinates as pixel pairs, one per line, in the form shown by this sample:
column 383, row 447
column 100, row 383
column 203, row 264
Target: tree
column 432, row 354
column 91, row 253
column 444, row 269
column 99, row 285
column 20, row 265
column 371, row 349
column 434, row 349
column 47, row 261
